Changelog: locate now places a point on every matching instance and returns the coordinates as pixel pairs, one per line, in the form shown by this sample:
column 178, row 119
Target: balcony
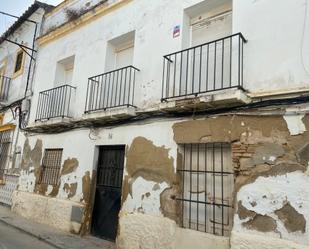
column 206, row 75
column 5, row 83
column 55, row 103
column 111, row 94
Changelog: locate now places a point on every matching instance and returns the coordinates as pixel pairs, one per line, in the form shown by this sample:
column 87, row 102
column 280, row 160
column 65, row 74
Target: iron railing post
column 201, row 73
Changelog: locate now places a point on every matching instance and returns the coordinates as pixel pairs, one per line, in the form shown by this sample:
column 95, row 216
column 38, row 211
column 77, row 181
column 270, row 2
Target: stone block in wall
column 45, row 210
column 187, row 238
column 143, row 231
column 240, row 240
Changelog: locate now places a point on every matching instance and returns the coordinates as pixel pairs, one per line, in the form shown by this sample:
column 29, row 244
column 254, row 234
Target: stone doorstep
column 48, row 235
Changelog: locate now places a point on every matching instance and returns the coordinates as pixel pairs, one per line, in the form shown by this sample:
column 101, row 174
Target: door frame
column 94, row 181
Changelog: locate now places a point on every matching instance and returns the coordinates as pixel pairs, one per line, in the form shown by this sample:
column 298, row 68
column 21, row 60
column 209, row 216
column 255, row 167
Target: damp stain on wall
column 70, row 189
column 292, row 220
column 148, row 161
column 69, row 166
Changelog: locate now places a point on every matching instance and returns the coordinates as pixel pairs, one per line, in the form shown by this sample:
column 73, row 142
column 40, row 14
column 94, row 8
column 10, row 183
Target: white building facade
column 17, row 63
column 171, row 124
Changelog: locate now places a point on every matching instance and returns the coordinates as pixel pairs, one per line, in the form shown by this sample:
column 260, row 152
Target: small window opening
column 19, row 61
column 64, row 71
column 5, row 141
column 51, row 165
column 120, row 52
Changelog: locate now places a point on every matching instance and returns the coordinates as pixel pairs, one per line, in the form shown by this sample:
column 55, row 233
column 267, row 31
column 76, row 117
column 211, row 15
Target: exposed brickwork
column 241, row 151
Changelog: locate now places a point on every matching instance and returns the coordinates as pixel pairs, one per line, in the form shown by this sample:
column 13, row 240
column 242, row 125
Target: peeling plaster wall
column 267, row 195
column 80, row 161
column 271, row 181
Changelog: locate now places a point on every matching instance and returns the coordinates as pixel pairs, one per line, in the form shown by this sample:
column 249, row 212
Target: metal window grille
column 5, row 141
column 51, row 166
column 207, row 187
column 110, row 167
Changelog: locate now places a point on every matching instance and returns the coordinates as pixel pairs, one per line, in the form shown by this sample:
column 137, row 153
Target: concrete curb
column 46, row 240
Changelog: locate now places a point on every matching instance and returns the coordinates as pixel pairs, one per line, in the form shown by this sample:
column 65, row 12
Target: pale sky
column 17, row 7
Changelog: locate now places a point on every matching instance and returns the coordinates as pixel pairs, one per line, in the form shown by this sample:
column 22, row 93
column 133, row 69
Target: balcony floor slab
column 207, row 101
column 110, row 114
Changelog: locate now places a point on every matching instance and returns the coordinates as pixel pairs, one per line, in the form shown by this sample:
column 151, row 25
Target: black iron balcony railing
column 5, row 83
column 208, row 67
column 112, row 89
column 55, row 102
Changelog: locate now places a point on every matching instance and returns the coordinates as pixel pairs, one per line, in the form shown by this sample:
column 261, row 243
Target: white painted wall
column 81, row 144
column 8, row 52
column 272, row 55
column 277, row 39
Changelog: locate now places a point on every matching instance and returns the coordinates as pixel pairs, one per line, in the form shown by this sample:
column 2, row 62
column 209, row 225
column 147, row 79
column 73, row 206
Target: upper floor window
column 64, row 71
column 207, row 21
column 120, row 51
column 19, row 61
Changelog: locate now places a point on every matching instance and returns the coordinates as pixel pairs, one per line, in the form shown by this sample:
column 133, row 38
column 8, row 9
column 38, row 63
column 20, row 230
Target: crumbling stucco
column 69, row 166
column 303, row 155
column 262, row 223
column 70, row 189
column 267, row 153
column 148, row 161
column 295, row 124
column 267, row 171
column 170, row 207
column 269, row 164
column 243, row 212
column 86, row 187
column 31, row 157
column 293, row 221
column 226, row 128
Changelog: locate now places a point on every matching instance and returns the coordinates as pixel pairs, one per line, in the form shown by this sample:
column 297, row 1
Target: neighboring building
column 17, row 61
column 171, row 124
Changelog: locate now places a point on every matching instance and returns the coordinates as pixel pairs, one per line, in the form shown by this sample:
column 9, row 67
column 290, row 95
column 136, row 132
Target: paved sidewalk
column 50, row 235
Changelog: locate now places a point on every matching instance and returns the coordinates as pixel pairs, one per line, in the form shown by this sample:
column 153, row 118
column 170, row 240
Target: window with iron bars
column 5, row 142
column 207, row 186
column 51, row 165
